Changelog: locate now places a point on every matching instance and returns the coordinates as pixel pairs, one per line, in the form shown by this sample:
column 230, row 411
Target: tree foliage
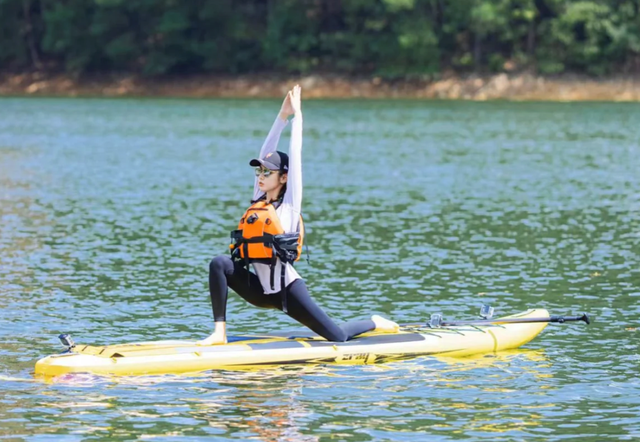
column 392, row 38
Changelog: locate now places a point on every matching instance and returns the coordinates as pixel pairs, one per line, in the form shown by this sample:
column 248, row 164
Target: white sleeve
column 293, row 195
column 270, row 145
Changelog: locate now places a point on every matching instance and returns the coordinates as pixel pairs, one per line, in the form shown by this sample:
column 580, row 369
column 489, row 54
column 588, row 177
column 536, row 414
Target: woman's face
column 273, row 181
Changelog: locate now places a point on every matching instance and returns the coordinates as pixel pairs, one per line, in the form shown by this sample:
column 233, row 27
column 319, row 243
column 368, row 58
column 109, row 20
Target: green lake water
column 110, row 211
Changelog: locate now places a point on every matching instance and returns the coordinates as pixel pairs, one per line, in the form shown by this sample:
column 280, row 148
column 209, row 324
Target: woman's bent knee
column 336, row 336
column 219, row 264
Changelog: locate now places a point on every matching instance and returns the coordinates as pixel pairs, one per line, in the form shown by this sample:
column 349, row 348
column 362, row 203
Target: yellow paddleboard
column 161, row 357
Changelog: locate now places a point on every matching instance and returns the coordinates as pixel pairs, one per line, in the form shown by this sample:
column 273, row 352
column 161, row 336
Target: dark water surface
column 111, row 209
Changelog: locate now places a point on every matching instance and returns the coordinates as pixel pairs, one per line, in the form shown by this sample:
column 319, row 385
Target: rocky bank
column 472, row 87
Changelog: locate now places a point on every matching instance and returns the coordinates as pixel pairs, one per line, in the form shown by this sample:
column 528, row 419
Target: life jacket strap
column 283, row 289
column 245, row 246
column 266, row 239
column 272, row 264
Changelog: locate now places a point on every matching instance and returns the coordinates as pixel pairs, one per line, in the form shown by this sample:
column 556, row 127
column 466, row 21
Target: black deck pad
column 372, row 340
column 294, row 334
column 287, row 339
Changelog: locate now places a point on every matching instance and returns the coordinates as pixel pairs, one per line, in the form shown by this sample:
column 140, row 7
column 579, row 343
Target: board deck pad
column 281, row 341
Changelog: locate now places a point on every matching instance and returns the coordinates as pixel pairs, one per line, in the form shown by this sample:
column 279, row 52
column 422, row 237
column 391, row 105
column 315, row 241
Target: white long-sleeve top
column 289, row 210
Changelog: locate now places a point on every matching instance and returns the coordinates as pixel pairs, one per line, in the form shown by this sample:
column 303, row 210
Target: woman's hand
column 286, row 108
column 295, row 100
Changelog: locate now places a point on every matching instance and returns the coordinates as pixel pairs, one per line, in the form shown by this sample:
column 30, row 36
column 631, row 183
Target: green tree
column 391, row 38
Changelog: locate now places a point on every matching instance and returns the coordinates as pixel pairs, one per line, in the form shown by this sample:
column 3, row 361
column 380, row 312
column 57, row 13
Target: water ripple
column 111, row 209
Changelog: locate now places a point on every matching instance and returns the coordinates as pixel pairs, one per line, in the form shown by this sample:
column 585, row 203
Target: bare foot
column 214, row 339
column 385, row 325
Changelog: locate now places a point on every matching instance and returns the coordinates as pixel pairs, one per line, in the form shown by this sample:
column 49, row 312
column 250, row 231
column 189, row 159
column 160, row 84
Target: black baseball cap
column 273, row 160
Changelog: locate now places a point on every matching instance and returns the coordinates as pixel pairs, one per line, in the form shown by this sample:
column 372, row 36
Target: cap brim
column 257, row 162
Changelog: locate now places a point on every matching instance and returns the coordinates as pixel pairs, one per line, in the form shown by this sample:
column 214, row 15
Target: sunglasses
column 266, row 172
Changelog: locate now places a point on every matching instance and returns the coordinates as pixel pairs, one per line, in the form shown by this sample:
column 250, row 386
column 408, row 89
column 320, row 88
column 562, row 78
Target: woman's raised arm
column 271, row 142
column 293, row 195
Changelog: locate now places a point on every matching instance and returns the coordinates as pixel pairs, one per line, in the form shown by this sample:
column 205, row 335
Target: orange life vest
column 261, row 238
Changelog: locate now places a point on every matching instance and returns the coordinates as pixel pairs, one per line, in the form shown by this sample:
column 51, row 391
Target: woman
column 275, row 215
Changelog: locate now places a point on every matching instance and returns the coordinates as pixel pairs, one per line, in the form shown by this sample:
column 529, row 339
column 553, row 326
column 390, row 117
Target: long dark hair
column 282, row 192
column 280, row 195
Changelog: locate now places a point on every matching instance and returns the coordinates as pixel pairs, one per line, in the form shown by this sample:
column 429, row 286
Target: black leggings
column 224, row 273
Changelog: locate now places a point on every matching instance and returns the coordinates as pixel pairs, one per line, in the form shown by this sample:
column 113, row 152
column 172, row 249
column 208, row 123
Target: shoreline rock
column 523, row 86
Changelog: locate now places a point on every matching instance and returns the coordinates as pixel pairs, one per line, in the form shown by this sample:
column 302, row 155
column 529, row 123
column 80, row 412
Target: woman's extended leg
column 303, row 309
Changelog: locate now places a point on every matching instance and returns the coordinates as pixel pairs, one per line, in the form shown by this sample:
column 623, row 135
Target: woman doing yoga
column 269, row 238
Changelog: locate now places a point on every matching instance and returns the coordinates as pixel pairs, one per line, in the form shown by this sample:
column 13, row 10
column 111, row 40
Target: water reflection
column 304, row 403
